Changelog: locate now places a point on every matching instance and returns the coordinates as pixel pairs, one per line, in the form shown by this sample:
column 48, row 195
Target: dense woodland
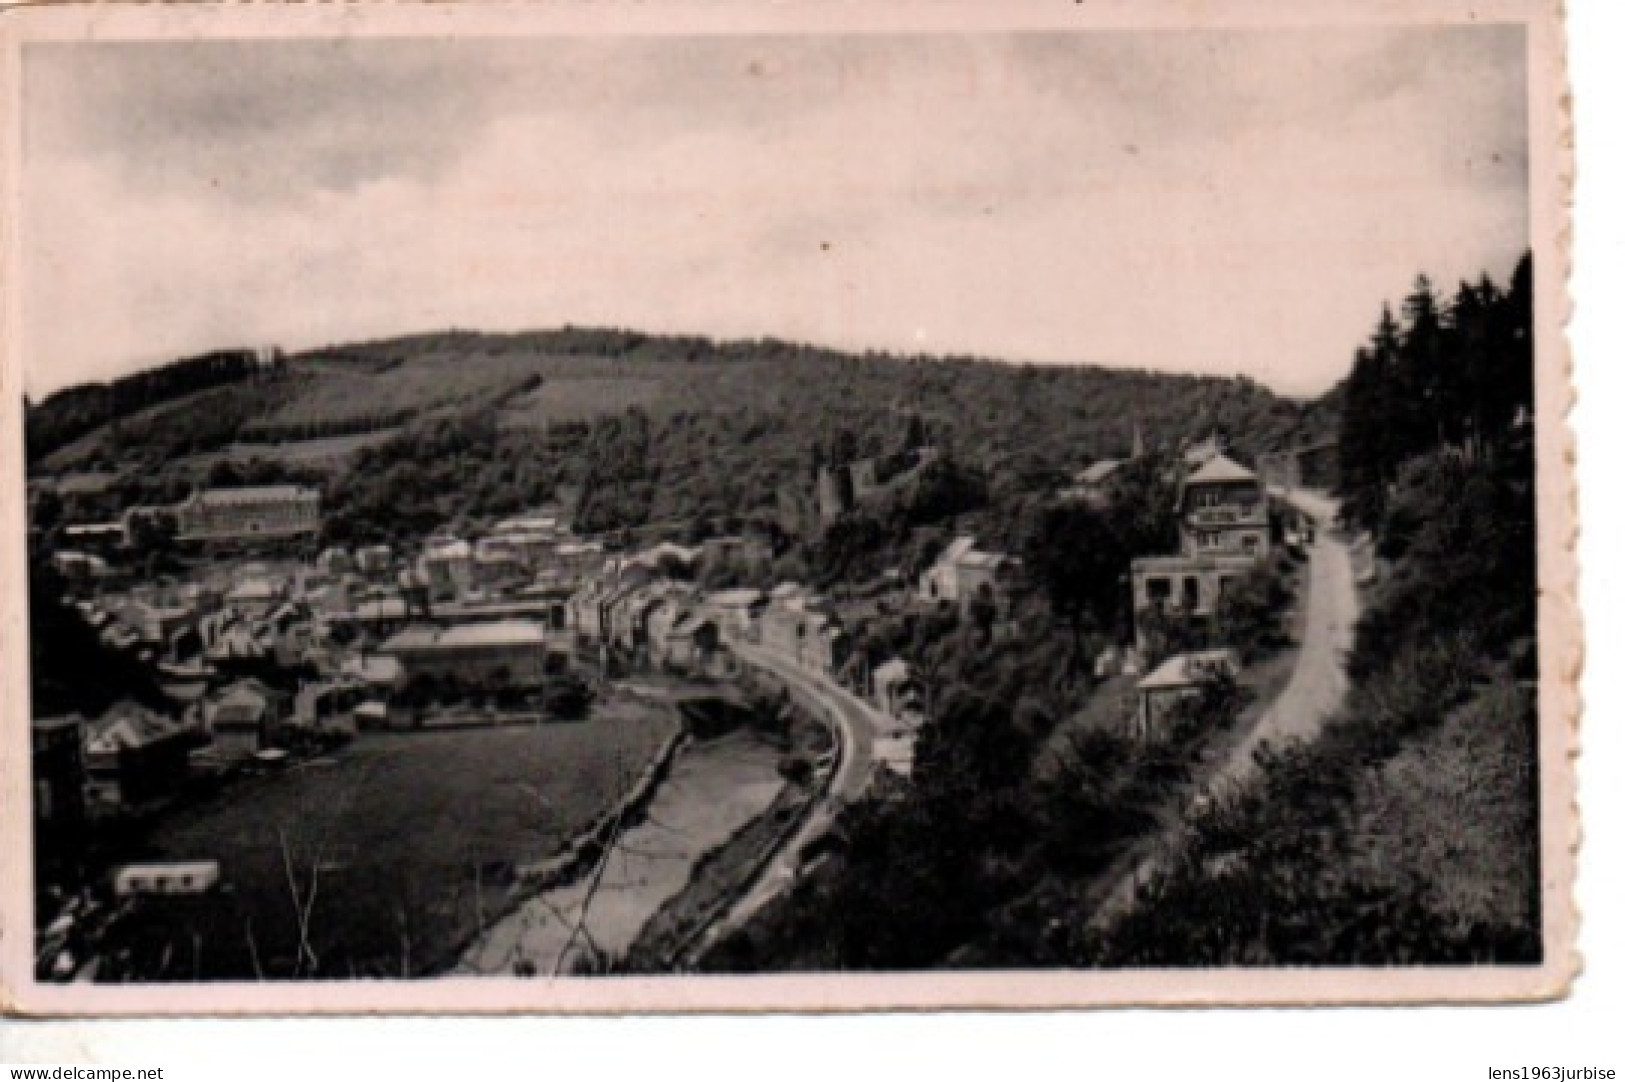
column 1406, row 834
column 76, row 411
column 1019, row 804
column 1409, row 832
column 717, row 435
column 1453, row 372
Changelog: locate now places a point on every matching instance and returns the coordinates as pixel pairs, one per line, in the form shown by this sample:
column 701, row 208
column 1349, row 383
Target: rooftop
column 691, row 625
column 1220, row 468
column 495, row 633
column 736, row 598
column 1098, row 472
column 893, row 670
column 236, row 497
column 69, row 721
column 254, row 589
column 1185, row 670
column 448, row 550
column 129, row 725
column 527, row 524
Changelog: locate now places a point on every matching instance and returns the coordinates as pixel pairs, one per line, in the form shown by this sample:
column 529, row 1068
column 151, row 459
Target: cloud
column 1219, row 201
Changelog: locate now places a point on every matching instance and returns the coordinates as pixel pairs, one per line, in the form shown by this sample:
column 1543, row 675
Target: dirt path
column 1310, row 697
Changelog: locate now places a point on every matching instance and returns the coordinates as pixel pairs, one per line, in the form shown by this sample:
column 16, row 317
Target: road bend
column 855, row 724
column 1312, row 694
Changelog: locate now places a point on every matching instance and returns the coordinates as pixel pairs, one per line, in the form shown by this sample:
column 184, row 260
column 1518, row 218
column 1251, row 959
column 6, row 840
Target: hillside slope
column 654, row 429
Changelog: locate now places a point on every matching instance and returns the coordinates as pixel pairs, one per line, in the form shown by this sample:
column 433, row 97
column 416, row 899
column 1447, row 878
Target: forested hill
column 1409, row 831
column 650, row 428
column 74, row 411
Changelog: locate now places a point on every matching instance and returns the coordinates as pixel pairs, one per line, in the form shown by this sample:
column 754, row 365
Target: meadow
column 397, row 848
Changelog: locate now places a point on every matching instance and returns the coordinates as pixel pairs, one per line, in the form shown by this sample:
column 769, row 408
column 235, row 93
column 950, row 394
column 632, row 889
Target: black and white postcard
column 802, row 507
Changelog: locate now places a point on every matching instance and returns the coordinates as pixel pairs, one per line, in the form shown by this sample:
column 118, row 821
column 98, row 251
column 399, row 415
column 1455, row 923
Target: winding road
column 1311, row 696
column 857, row 724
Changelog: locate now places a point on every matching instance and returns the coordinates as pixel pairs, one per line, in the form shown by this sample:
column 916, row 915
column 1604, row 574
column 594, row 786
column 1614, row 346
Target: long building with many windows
column 505, row 653
column 259, row 513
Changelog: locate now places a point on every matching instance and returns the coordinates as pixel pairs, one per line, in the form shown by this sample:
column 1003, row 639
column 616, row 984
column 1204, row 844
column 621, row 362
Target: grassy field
column 573, row 398
column 342, row 393
column 573, row 388
column 326, row 453
column 400, row 844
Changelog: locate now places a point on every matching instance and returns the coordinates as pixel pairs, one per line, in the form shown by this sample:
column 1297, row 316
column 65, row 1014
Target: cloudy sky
column 1210, row 201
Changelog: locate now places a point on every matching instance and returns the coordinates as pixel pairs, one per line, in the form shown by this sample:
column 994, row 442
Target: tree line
column 75, row 411
column 1445, row 373
column 1408, row 831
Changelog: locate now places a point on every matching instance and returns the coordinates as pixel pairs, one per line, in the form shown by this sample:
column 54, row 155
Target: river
column 714, row 789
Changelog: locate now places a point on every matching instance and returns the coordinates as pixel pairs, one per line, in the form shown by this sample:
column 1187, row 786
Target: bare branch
column 592, row 892
column 253, row 949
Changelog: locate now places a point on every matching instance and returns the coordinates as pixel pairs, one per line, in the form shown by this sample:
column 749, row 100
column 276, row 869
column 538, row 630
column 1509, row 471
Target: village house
column 1204, row 451
column 1180, row 679
column 583, row 612
column 380, row 675
column 196, row 597
column 668, row 603
column 152, row 623
column 374, row 559
column 1093, row 484
column 508, row 653
column 897, row 692
column 547, row 608
column 609, row 598
column 531, row 550
column 666, row 614
column 134, row 756
column 379, row 617
column 628, row 615
column 1223, row 508
column 256, row 596
column 241, row 719
column 1309, row 466
column 328, row 706
column 496, row 570
column 1224, row 529
column 793, row 626
column 737, row 610
column 255, row 514
column 531, row 522
column 335, row 561
column 963, row 573
column 694, row 646
column 448, row 567
column 577, row 558
column 166, row 877
column 103, row 537
column 235, row 645
column 79, row 567
column 738, row 551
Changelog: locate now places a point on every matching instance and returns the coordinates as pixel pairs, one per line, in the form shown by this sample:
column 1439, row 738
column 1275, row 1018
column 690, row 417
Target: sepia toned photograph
column 751, row 510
